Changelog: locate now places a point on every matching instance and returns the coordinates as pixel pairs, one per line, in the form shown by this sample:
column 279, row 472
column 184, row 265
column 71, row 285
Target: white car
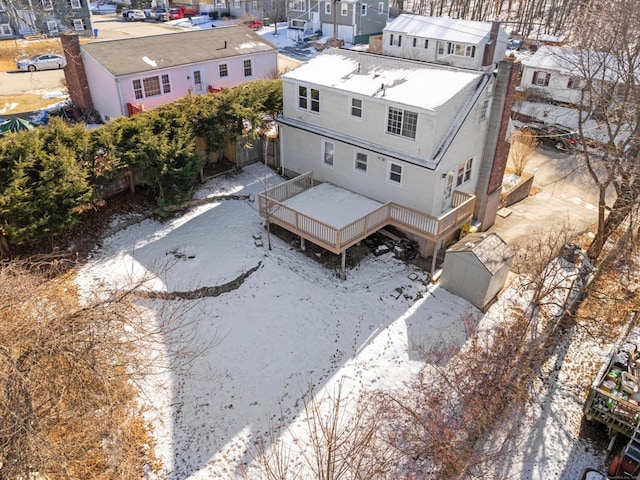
column 43, row 61
column 136, row 15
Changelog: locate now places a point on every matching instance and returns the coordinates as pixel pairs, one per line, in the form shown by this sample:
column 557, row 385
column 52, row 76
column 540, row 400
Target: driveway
column 563, row 196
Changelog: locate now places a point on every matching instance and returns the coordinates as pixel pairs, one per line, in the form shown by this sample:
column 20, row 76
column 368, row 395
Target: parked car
column 160, row 14
column 136, row 16
column 252, row 24
column 43, row 61
column 557, row 136
column 514, row 44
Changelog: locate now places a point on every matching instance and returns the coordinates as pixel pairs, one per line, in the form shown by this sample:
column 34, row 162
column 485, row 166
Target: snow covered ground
column 293, row 324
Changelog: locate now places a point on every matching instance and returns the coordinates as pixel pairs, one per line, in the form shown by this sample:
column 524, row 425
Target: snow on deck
column 332, row 205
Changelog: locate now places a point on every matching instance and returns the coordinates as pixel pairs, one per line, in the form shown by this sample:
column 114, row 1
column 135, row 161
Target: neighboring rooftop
column 143, row 54
column 397, row 80
column 440, row 28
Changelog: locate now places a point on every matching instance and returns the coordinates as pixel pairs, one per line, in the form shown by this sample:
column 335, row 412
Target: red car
column 253, row 24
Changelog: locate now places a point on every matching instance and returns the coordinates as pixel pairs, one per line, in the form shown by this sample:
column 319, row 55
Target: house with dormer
column 20, row 18
column 122, row 77
column 419, row 139
column 446, row 41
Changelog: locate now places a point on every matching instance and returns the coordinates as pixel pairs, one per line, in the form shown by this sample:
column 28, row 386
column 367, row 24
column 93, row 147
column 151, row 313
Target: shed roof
column 143, row 54
column 440, row 28
column 489, row 249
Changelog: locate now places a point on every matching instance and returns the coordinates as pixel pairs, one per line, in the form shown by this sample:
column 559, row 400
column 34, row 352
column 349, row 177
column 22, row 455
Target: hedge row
column 48, row 175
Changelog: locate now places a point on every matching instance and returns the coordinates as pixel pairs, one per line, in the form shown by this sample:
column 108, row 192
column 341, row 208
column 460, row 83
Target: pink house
column 122, row 77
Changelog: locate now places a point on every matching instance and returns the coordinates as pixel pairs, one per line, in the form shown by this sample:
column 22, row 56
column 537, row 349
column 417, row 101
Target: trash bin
column 95, row 32
column 266, row 22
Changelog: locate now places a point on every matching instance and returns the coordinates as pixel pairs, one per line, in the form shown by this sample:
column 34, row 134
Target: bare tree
column 608, row 43
column 338, row 438
column 274, row 10
column 68, row 406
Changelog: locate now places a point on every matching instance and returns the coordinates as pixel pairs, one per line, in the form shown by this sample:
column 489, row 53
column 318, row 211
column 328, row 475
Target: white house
column 556, row 73
column 448, row 41
column 135, row 74
column 407, row 134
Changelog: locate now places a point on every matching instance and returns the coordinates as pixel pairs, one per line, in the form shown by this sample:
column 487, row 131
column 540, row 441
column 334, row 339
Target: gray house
column 346, row 20
column 476, row 268
column 351, row 21
column 44, row 17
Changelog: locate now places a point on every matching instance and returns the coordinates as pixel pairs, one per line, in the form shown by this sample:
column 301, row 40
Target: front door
column 198, row 86
column 448, row 191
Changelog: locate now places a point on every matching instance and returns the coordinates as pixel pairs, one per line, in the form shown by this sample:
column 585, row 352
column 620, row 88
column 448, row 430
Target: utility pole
column 335, row 19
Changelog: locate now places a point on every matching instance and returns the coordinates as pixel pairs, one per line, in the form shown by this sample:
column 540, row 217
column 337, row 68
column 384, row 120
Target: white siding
column 103, row 88
column 557, row 88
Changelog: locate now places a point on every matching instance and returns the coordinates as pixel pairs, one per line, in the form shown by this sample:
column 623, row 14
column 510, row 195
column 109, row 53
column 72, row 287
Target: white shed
column 476, row 268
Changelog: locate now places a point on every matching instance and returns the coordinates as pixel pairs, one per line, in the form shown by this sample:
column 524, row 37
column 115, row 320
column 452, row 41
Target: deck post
column 436, row 247
column 303, row 245
column 343, row 261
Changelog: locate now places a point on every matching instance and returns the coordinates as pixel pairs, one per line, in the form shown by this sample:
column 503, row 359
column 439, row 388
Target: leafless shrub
column 523, row 146
column 338, row 438
column 68, row 405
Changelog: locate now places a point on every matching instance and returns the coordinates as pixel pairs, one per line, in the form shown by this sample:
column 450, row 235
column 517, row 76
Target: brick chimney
column 496, row 150
column 490, row 47
column 75, row 73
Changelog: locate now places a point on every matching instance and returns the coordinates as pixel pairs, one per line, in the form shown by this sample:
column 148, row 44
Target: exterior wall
column 412, row 46
column 557, row 88
column 421, row 188
column 303, row 152
column 104, row 89
column 335, row 115
column 429, row 54
column 181, row 80
column 30, row 18
column 465, row 276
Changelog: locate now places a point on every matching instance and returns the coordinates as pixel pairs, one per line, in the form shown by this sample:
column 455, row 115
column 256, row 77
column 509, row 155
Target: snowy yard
column 293, row 324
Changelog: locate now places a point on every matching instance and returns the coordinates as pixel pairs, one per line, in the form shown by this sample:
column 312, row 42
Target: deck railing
column 336, row 240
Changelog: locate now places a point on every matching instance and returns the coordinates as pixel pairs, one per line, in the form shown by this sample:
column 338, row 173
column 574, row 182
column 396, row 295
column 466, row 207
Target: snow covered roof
column 396, row 80
column 560, row 59
column 441, row 28
column 570, row 61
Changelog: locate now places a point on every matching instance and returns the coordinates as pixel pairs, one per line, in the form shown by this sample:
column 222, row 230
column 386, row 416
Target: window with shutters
column 541, row 78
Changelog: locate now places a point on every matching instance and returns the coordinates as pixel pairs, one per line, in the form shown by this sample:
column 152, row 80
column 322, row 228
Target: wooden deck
column 337, row 240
